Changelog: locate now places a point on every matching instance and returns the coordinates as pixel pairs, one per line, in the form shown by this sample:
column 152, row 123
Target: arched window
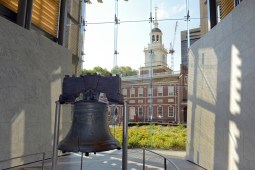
column 153, row 38
column 157, row 38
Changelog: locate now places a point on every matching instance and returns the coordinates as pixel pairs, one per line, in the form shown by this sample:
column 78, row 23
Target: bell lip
column 91, row 150
column 90, row 147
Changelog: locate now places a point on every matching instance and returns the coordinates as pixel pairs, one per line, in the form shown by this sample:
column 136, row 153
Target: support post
column 213, row 13
column 179, row 112
column 29, row 14
column 56, row 135
column 165, row 167
column 43, row 160
column 62, row 23
column 188, row 33
column 21, row 15
column 81, row 160
column 125, row 137
column 143, row 159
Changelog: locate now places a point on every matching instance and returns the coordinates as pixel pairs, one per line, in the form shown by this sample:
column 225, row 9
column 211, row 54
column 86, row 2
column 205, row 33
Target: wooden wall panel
column 226, row 6
column 45, row 14
column 11, row 4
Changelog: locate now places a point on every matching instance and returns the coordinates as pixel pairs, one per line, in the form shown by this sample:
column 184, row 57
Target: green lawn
column 154, row 137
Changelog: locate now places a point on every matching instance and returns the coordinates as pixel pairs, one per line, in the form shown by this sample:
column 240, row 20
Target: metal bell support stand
column 56, row 135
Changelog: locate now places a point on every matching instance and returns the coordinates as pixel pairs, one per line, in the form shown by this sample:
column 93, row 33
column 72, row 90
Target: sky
column 133, row 37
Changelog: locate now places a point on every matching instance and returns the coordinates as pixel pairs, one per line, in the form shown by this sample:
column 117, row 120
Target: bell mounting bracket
column 74, row 86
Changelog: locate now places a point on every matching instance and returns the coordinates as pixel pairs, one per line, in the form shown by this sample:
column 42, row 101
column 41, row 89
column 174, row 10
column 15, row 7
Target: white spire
column 156, row 18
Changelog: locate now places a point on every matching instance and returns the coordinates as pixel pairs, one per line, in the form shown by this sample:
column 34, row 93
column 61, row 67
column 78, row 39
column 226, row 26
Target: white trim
column 170, row 88
column 139, row 110
column 160, row 90
column 132, row 89
column 173, row 111
column 124, row 91
column 140, row 91
column 158, row 111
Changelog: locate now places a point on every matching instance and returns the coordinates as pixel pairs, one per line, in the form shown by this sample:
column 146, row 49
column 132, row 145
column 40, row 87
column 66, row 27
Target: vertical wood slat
column 11, row 4
column 45, row 13
column 226, row 6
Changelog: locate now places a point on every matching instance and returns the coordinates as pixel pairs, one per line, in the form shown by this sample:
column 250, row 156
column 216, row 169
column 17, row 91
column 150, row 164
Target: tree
column 124, row 71
column 96, row 70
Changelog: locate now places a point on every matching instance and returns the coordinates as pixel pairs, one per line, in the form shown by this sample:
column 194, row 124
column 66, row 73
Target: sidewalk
column 111, row 160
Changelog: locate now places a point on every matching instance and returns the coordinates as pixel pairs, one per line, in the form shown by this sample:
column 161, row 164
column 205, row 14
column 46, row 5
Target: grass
column 154, row 137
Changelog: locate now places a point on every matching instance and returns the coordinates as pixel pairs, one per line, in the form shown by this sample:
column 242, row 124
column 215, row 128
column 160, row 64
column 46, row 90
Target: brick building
column 157, row 94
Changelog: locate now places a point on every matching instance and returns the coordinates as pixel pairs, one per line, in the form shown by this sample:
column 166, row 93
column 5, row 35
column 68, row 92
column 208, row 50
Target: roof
column 156, row 30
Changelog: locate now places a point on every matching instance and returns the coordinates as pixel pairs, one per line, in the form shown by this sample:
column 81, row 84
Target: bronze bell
column 89, row 130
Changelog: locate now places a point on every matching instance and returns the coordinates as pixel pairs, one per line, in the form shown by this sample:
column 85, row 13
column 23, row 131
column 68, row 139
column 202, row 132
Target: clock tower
column 155, row 53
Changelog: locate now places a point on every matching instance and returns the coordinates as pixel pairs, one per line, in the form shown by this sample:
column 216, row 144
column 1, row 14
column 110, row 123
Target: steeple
column 156, row 18
column 155, row 54
column 156, row 34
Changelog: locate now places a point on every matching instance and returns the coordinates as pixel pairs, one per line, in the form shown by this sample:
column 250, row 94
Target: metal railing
column 164, row 158
column 23, row 156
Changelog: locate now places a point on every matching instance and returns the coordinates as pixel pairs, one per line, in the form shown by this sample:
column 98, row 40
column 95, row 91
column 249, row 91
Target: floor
column 112, row 160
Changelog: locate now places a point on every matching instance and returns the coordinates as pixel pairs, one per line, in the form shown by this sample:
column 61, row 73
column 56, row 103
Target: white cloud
column 173, row 11
column 162, row 13
column 179, row 8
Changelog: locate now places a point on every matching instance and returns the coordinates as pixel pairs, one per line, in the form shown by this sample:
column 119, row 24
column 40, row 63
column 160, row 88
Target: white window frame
column 140, row 109
column 140, row 92
column 172, row 111
column 132, row 92
column 131, row 112
column 149, row 110
column 170, row 90
column 124, row 92
column 160, row 91
column 160, row 116
column 149, row 91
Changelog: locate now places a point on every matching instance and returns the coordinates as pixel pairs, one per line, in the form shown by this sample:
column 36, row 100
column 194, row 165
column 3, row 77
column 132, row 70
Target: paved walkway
column 111, row 160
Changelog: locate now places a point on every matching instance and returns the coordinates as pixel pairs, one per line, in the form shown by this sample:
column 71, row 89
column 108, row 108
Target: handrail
column 43, row 153
column 165, row 159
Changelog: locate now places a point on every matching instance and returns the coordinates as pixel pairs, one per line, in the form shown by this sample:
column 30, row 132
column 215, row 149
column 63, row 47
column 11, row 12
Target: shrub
column 154, row 136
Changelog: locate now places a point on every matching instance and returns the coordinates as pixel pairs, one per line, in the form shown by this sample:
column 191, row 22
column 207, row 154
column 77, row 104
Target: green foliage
column 96, row 70
column 124, row 71
column 153, row 136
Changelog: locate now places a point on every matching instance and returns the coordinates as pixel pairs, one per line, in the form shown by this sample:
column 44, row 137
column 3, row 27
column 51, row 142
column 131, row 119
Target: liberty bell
column 89, row 131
